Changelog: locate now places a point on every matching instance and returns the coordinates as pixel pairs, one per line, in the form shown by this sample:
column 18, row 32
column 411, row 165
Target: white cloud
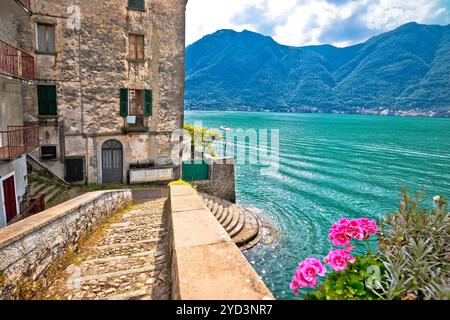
column 305, row 22
column 388, row 14
column 208, row 16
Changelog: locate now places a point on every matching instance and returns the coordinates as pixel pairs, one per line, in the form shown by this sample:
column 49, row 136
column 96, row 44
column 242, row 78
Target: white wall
column 19, row 168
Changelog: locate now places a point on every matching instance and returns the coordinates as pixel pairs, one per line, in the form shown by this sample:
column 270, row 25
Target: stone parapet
column 206, row 264
column 32, row 249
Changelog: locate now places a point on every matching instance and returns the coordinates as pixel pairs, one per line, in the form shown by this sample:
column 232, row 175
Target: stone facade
column 221, row 183
column 30, row 250
column 92, row 64
column 11, row 106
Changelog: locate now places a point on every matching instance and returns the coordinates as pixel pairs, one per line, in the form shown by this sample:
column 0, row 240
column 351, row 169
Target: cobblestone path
column 126, row 259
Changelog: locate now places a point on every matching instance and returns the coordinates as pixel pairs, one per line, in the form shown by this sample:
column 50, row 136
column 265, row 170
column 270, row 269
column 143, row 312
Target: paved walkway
column 127, row 259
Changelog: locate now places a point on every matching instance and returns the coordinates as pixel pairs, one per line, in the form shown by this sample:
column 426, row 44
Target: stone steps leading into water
column 244, row 227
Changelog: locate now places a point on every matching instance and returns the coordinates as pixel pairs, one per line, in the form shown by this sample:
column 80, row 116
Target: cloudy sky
column 306, row 22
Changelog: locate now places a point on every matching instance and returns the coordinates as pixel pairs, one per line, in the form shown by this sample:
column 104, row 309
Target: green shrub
column 414, row 247
column 202, row 137
column 359, row 281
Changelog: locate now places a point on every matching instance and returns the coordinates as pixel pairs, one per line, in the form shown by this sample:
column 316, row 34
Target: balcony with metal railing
column 18, row 140
column 15, row 62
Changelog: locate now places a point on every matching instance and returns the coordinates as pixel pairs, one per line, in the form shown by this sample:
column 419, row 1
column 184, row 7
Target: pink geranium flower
column 369, row 226
column 337, row 259
column 345, row 230
column 306, row 274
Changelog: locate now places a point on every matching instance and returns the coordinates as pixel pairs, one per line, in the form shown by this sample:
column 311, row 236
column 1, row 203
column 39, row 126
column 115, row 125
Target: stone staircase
column 127, row 259
column 42, row 181
column 244, row 227
column 41, row 185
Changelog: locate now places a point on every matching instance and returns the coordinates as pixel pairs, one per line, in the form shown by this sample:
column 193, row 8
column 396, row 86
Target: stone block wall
column 206, row 264
column 31, row 250
column 222, row 181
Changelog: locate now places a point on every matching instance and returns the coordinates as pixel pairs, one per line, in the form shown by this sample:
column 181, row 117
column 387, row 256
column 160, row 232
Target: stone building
column 16, row 78
column 109, row 87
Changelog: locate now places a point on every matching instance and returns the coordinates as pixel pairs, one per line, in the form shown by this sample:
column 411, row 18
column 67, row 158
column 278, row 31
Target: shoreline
column 325, row 113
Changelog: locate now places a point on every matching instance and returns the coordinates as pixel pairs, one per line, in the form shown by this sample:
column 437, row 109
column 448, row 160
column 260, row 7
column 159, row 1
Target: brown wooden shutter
column 140, row 47
column 132, row 47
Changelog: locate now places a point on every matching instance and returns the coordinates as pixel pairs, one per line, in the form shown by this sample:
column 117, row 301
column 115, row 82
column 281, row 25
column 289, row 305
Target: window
column 46, row 38
column 47, row 100
column 135, row 105
column 48, row 152
column 136, row 47
column 136, row 4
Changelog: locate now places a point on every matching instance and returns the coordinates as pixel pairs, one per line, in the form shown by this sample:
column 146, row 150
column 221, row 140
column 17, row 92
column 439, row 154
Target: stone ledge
column 33, row 249
column 206, row 264
column 25, row 227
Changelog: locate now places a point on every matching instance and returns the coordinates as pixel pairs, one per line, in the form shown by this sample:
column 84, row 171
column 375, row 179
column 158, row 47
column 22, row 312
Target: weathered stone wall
column 31, row 250
column 92, row 64
column 10, row 104
column 206, row 264
column 8, row 25
column 221, row 183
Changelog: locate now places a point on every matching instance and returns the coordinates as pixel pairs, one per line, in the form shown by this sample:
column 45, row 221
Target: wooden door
column 112, row 162
column 9, row 196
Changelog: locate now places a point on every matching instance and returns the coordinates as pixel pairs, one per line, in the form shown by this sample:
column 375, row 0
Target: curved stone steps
column 238, row 228
column 234, row 221
column 229, row 218
column 215, row 208
column 210, row 204
column 219, row 211
column 225, row 215
column 244, row 227
column 250, row 232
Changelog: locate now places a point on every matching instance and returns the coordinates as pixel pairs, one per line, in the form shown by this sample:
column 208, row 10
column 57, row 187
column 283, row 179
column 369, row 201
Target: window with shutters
column 47, row 100
column 135, row 106
column 136, row 47
column 45, row 38
column 136, row 4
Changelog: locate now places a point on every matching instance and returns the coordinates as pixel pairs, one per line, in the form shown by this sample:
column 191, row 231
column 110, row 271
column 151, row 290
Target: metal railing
column 15, row 62
column 17, row 141
column 29, row 206
column 25, row 3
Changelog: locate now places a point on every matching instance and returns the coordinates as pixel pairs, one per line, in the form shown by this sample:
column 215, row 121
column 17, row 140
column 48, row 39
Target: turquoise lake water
column 332, row 166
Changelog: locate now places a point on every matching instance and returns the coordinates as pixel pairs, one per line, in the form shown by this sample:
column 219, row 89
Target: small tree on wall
column 203, row 138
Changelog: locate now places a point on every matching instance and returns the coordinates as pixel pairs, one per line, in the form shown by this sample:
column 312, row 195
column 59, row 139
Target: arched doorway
column 112, row 162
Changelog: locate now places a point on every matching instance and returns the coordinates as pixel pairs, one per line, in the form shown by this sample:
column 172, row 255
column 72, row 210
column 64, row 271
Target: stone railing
column 31, row 250
column 206, row 264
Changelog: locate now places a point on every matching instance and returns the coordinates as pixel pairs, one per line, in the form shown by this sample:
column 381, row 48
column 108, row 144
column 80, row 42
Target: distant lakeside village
column 383, row 111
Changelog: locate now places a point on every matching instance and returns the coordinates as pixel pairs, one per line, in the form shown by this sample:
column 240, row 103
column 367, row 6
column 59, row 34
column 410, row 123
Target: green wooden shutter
column 42, row 100
column 51, row 100
column 148, row 103
column 47, row 100
column 124, row 102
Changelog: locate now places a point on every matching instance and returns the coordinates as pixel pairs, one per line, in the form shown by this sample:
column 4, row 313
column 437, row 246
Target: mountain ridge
column 403, row 71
